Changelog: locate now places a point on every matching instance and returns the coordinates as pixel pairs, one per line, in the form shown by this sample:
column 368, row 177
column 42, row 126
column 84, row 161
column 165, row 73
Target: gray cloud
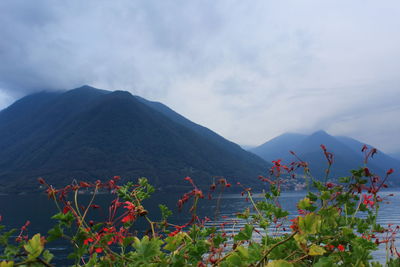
column 248, row 70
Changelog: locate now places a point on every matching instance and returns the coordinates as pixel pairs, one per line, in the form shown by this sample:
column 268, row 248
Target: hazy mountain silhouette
column 279, row 146
column 87, row 133
column 347, row 153
column 395, row 155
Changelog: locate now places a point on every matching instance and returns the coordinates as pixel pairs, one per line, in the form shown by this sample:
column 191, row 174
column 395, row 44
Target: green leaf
column 312, row 196
column 6, row 264
column 4, row 237
column 324, row 262
column 165, row 211
column 304, row 203
column 218, row 240
column 234, row 260
column 279, row 263
column 34, row 247
column 11, row 251
column 243, row 252
column 310, row 223
column 47, row 256
column 93, row 260
column 255, row 252
column 245, row 215
column 344, row 180
column 316, row 250
column 147, row 249
column 173, row 242
column 127, row 241
column 325, row 195
column 55, row 233
column 394, row 262
column 245, row 233
column 65, row 219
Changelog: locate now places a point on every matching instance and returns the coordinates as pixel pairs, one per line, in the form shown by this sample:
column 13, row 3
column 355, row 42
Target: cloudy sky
column 249, row 70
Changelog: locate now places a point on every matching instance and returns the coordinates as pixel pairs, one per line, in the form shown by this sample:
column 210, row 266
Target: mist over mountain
column 89, row 134
column 346, row 150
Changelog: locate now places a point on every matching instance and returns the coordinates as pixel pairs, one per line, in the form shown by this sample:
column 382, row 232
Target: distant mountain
column 395, row 155
column 247, row 147
column 87, row 133
column 279, row 146
column 380, row 159
column 347, row 153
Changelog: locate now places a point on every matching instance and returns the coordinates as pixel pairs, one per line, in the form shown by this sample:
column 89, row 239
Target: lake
column 37, row 208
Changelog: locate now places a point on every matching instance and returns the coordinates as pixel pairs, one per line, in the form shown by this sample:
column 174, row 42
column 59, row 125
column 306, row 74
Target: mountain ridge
column 346, row 150
column 91, row 133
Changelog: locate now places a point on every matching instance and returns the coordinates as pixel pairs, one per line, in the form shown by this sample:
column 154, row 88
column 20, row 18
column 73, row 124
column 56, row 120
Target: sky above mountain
column 249, row 70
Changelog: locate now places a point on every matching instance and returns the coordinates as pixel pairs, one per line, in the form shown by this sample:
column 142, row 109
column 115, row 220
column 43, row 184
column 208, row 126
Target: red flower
column 66, row 209
column 340, row 248
column 87, row 241
column 276, row 169
column 84, row 184
column 188, row 179
column 294, row 226
column 174, row 232
column 128, row 218
column 129, row 206
column 367, row 201
column 302, row 212
column 367, row 172
column 98, row 250
column 330, row 247
column 390, row 171
column 328, row 155
column 330, row 185
column 198, row 193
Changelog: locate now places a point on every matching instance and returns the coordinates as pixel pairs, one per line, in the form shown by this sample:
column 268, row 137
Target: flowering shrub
column 336, row 225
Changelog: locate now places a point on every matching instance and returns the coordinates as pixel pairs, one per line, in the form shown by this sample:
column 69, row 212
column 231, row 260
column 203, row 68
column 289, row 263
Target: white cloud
column 248, row 70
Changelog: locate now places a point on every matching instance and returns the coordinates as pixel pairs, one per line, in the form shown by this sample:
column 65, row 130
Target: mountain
column 395, row 155
column 381, row 159
column 89, row 134
column 218, row 141
column 347, row 153
column 279, row 146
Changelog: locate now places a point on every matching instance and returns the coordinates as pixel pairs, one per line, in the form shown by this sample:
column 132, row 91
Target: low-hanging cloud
column 249, row 70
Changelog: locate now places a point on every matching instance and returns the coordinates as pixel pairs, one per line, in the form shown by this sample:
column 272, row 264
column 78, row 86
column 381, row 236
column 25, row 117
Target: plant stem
column 151, row 225
column 90, row 203
column 254, row 204
column 262, row 261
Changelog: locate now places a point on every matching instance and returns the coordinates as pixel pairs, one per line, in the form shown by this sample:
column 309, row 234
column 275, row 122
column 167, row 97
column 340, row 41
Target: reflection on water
column 38, row 209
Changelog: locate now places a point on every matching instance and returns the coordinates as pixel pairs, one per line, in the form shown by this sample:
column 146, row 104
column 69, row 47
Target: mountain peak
column 88, row 133
column 346, row 150
column 122, row 93
column 87, row 87
column 320, row 133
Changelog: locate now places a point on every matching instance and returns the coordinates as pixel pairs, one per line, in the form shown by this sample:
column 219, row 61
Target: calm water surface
column 38, row 209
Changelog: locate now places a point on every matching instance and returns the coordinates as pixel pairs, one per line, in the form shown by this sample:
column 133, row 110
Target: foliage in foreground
column 336, row 225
